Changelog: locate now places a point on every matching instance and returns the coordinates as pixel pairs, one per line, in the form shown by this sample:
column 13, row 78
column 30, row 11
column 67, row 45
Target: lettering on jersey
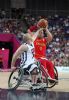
column 40, row 44
column 23, row 57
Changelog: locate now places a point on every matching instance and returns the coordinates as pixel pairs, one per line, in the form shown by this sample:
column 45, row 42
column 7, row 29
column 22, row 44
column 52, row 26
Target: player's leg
column 50, row 68
column 34, row 73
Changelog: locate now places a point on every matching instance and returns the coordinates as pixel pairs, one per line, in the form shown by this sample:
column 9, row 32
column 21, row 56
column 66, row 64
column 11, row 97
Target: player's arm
column 36, row 34
column 18, row 52
column 49, row 35
column 30, row 32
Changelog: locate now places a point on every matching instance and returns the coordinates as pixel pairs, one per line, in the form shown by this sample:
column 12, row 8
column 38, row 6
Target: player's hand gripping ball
column 42, row 23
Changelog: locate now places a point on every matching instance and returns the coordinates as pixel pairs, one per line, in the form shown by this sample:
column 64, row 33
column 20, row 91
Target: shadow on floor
column 30, row 95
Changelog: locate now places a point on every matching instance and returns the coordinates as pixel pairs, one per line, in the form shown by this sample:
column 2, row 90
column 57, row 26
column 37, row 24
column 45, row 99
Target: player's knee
column 34, row 71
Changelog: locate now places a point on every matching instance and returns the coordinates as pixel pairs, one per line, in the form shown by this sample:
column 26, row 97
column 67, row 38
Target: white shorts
column 30, row 67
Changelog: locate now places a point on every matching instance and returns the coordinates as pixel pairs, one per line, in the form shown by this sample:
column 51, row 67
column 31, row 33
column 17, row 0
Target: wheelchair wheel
column 50, row 83
column 15, row 78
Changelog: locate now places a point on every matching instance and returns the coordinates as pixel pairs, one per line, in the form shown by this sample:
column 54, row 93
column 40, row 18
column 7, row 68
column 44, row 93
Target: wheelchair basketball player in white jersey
column 30, row 64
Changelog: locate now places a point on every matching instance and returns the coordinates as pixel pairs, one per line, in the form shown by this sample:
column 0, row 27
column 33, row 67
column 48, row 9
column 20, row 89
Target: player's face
column 40, row 35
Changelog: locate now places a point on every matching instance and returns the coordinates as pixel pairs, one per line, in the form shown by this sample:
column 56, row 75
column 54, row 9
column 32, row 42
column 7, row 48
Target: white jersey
column 28, row 58
column 28, row 55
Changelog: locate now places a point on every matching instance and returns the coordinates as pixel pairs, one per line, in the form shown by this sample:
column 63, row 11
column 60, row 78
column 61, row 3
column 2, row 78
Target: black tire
column 50, row 85
column 17, row 78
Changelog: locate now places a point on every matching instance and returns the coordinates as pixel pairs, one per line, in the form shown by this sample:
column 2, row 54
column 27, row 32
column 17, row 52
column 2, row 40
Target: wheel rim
column 14, row 79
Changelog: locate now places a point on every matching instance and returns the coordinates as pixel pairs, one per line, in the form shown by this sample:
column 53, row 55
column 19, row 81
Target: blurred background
column 16, row 16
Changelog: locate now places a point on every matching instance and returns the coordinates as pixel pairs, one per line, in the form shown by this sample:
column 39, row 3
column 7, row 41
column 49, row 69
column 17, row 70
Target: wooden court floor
column 62, row 86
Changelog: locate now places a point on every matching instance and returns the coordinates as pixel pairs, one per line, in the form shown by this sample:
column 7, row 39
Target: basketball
column 42, row 23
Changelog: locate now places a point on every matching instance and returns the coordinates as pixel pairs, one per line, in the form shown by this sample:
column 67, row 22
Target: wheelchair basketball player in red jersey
column 44, row 37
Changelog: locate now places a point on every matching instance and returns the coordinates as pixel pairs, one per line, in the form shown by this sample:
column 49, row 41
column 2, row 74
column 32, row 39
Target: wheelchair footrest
column 39, row 86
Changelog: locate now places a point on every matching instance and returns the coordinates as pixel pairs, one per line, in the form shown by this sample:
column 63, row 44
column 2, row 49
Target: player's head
column 27, row 37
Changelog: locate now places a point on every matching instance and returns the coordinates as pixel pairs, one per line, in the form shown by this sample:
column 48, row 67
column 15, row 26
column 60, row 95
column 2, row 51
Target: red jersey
column 40, row 48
